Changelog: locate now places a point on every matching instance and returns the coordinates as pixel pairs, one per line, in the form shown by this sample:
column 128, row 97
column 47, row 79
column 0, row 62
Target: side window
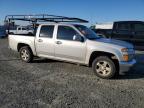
column 139, row 27
column 123, row 26
column 47, row 31
column 66, row 33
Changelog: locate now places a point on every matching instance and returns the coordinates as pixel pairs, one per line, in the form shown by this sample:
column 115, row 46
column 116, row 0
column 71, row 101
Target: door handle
column 58, row 42
column 40, row 40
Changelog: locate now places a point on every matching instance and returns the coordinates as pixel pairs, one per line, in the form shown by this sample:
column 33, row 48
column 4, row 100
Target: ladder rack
column 43, row 18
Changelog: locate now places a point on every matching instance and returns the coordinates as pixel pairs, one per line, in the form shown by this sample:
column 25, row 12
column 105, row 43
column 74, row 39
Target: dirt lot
column 53, row 84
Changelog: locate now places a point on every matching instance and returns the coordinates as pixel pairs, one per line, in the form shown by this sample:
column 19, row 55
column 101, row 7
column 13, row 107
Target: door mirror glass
column 78, row 38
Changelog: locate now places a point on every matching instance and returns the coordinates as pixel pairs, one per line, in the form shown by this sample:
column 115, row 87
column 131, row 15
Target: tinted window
column 123, row 26
column 47, row 31
column 139, row 27
column 66, row 33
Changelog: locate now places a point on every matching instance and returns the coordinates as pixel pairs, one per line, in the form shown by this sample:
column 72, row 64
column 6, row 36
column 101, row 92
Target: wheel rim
column 103, row 68
column 24, row 55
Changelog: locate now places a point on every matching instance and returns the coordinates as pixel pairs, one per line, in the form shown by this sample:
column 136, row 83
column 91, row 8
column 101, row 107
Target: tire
column 104, row 67
column 26, row 54
column 11, row 33
column 30, row 33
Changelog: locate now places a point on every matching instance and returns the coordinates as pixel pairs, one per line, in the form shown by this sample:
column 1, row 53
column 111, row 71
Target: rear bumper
column 126, row 66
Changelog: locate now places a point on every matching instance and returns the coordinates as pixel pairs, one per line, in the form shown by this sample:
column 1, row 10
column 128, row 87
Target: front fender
column 113, row 51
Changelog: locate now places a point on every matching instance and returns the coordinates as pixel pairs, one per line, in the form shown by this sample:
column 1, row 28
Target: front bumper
column 126, row 66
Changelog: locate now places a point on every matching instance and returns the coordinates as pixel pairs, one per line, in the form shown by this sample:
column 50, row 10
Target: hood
column 115, row 42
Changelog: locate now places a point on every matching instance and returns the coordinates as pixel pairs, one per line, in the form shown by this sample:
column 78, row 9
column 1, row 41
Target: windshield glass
column 88, row 33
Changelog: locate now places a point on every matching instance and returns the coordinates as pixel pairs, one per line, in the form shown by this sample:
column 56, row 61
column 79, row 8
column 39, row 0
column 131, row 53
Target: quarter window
column 66, row 33
column 47, row 31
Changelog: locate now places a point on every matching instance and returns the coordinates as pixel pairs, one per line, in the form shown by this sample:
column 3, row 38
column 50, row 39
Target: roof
column 129, row 21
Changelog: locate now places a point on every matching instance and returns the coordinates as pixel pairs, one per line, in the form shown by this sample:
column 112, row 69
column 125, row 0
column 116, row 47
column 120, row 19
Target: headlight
column 129, row 50
column 124, row 50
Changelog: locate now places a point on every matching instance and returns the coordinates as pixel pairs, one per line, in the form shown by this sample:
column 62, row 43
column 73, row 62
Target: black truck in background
column 130, row 31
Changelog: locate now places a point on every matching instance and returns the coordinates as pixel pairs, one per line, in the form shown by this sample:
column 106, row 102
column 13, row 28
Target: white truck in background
column 21, row 30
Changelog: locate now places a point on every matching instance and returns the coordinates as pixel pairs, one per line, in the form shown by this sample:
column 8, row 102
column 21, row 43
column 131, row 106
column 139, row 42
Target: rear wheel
column 30, row 33
column 104, row 67
column 26, row 54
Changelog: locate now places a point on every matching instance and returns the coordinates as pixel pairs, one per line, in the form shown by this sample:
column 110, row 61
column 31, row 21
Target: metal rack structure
column 36, row 19
column 43, row 18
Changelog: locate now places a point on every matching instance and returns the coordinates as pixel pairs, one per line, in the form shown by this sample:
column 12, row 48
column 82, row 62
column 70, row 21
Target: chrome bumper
column 125, row 66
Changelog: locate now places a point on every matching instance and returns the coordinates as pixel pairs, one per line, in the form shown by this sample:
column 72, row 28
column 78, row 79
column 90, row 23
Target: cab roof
column 129, row 22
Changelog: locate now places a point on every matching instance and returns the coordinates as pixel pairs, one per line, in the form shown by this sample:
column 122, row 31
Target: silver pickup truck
column 78, row 44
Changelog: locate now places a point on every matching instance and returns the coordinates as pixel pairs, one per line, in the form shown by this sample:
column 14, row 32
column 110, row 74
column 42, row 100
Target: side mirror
column 78, row 38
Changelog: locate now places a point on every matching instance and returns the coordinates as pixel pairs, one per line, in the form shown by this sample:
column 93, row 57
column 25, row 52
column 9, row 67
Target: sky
column 96, row 11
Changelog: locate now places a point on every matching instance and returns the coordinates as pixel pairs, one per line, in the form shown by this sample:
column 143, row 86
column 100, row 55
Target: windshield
column 88, row 33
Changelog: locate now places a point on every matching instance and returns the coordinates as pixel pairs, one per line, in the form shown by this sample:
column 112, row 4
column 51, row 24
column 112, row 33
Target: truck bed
column 15, row 40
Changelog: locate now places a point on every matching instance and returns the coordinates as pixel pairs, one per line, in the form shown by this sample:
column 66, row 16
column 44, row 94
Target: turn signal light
column 124, row 50
column 125, row 57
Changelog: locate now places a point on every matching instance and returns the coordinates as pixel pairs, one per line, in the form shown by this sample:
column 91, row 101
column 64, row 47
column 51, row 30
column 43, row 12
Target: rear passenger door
column 122, row 31
column 138, row 35
column 45, row 41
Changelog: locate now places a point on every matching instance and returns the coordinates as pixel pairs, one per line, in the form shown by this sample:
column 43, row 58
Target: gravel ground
column 53, row 84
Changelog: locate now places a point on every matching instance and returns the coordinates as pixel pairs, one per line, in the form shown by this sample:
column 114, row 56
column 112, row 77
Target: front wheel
column 26, row 54
column 104, row 67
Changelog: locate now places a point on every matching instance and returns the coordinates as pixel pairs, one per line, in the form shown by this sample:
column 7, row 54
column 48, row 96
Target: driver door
column 67, row 48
